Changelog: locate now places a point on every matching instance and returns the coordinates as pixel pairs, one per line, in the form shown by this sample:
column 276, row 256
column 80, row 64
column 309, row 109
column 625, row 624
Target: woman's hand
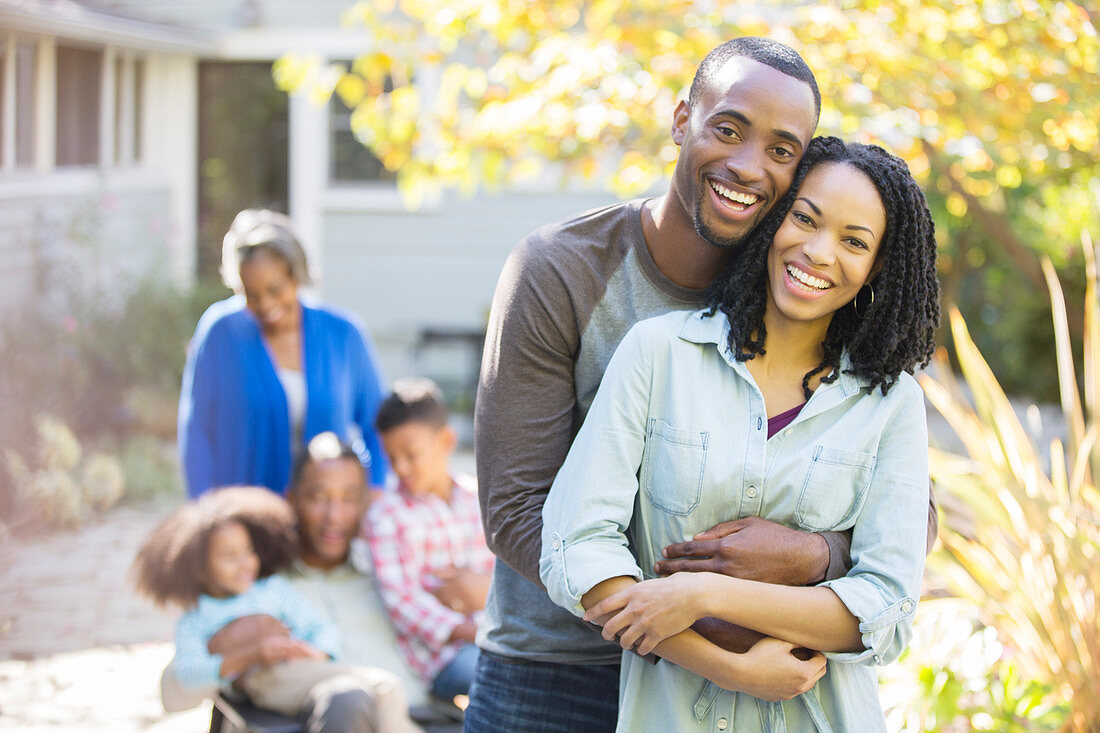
column 771, row 670
column 647, row 613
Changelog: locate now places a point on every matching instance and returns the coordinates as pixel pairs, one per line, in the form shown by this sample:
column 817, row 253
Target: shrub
column 1021, row 531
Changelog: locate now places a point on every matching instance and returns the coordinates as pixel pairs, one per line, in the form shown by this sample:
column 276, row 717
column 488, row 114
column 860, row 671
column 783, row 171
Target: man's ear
column 680, row 119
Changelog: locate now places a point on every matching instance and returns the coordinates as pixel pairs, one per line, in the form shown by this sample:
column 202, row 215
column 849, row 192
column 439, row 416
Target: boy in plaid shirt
column 431, row 561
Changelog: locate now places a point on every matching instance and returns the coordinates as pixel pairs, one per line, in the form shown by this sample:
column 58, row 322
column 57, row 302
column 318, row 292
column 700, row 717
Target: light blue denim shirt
column 676, row 442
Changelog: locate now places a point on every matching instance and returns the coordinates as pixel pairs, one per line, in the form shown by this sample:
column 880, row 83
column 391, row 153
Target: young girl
column 216, row 557
column 789, row 399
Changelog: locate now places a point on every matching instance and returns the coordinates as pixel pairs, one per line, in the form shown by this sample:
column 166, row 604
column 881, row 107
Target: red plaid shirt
column 411, row 539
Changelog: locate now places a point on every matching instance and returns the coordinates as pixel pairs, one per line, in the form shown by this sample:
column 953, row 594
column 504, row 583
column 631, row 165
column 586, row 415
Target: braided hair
column 895, row 332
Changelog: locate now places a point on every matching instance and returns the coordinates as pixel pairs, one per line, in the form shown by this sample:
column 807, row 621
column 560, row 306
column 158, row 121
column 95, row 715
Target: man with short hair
column 567, row 295
column 329, row 495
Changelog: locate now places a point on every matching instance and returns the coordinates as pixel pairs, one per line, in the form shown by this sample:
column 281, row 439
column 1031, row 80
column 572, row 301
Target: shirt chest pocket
column 672, row 467
column 834, row 489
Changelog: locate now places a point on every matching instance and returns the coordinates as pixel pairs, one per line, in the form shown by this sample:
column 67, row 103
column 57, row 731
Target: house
column 134, row 130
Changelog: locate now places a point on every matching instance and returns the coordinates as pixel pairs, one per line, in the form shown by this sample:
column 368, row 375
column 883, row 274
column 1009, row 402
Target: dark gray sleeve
column 523, row 420
column 840, row 543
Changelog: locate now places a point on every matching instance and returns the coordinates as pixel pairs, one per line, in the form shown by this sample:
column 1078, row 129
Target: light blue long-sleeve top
column 197, row 668
column 676, row 442
column 234, row 425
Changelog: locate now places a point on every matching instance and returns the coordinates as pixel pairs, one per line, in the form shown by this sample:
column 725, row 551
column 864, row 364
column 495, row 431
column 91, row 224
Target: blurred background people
column 267, row 369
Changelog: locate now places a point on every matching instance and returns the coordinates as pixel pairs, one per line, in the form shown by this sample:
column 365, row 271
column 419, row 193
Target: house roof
column 84, row 21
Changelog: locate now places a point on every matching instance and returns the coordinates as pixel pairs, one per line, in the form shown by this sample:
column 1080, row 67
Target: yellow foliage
column 1009, row 176
column 593, row 80
column 956, row 206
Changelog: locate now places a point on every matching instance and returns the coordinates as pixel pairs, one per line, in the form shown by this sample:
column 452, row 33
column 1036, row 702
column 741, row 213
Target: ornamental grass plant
column 1020, row 530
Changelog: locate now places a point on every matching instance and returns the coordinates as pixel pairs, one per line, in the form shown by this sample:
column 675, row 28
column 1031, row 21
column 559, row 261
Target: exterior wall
column 407, row 272
column 148, row 205
column 134, row 206
column 170, row 122
column 83, row 234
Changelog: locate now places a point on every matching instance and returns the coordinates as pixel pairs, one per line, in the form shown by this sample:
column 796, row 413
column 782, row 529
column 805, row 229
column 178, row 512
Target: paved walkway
column 79, row 650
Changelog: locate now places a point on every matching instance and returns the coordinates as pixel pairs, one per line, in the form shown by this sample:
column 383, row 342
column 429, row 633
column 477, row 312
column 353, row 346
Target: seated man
column 329, row 495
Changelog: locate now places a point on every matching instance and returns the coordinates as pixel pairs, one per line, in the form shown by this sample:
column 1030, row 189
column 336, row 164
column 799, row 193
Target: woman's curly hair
column 896, row 331
column 171, row 566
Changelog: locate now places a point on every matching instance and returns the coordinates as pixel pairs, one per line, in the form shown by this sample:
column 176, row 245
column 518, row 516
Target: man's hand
column 258, row 639
column 462, row 590
column 753, row 549
column 245, row 632
column 275, row 649
column 774, row 672
column 731, row 637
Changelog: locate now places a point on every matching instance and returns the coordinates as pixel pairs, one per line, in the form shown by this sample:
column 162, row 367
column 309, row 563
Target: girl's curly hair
column 896, row 331
column 171, row 566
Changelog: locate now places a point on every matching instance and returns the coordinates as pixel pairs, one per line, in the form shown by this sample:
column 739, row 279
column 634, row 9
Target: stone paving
column 79, row 650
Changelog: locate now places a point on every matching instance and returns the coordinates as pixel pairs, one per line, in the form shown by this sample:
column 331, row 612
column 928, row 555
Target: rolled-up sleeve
column 889, row 538
column 591, row 503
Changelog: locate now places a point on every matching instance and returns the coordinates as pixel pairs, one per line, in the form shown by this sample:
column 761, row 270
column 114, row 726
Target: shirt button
column 759, row 423
column 556, row 543
column 751, row 492
column 787, row 431
column 906, row 607
column 722, row 723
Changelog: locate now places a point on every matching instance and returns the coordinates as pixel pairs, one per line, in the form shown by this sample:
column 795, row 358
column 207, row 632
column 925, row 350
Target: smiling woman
column 268, row 370
column 822, row 430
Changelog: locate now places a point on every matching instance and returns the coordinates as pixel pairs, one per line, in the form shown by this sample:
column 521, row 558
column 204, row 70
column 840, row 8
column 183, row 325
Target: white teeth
column 746, row 199
column 807, row 279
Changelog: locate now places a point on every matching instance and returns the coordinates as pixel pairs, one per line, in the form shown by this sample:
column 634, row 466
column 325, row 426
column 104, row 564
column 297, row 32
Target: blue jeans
column 540, row 697
column 455, row 678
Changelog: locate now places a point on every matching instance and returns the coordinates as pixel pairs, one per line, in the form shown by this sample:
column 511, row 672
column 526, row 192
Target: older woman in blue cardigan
column 267, row 370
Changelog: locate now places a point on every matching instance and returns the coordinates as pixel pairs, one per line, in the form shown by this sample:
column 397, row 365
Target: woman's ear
column 875, row 269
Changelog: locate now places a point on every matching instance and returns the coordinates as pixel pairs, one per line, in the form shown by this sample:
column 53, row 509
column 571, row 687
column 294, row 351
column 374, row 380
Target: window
column 350, row 161
column 78, row 98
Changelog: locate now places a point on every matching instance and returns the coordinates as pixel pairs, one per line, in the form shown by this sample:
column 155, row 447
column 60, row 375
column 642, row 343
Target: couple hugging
column 714, row 380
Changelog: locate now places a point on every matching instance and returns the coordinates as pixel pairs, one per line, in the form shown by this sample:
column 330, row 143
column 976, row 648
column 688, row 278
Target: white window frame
column 119, row 106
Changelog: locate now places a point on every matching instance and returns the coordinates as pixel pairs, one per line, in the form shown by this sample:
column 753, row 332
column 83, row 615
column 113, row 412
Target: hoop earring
column 855, row 302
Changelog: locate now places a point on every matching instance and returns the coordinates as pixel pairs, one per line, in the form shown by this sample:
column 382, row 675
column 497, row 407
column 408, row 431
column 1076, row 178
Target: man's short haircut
column 412, row 400
column 323, row 447
column 779, row 56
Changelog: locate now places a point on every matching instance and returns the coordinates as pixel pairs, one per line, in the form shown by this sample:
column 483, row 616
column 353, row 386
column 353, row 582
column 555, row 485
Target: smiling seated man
column 329, row 495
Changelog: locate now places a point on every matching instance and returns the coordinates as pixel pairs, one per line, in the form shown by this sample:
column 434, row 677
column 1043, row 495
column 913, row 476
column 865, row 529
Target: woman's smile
column 826, row 249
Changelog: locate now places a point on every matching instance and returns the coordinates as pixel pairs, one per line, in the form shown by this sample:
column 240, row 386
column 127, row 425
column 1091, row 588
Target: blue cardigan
column 234, row 426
